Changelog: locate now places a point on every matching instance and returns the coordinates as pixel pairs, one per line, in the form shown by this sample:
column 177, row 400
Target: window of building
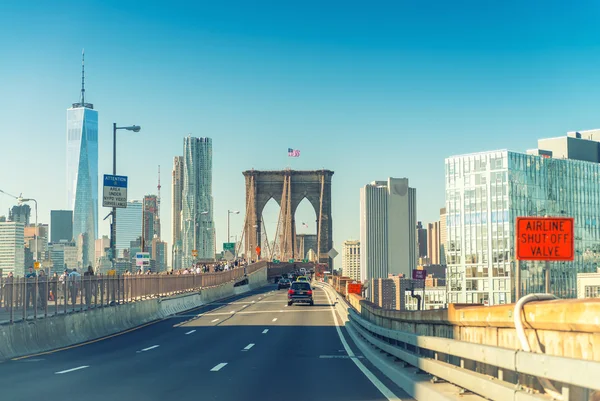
column 592, row 291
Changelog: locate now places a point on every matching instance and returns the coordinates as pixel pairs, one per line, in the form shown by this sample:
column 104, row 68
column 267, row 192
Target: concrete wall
column 31, row 337
column 569, row 328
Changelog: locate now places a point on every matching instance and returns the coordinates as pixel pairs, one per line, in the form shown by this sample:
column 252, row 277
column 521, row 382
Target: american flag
column 293, row 152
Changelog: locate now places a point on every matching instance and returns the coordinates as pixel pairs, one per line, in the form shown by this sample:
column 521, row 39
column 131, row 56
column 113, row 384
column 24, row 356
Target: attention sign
column 115, row 191
column 545, row 238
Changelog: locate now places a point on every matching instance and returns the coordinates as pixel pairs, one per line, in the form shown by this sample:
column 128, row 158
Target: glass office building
column 82, row 171
column 197, row 202
column 486, row 192
column 129, row 226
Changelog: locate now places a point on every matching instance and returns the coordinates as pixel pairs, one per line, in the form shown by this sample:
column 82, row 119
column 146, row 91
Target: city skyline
column 253, row 112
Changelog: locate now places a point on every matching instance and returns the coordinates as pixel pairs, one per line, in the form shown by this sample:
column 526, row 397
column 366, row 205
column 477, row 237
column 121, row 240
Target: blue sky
column 367, row 89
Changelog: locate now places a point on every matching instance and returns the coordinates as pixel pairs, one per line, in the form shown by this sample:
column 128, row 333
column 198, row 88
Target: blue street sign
column 115, row 181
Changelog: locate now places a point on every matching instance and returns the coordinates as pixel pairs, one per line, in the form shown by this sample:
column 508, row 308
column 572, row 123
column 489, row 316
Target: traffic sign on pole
column 545, row 238
column 115, row 191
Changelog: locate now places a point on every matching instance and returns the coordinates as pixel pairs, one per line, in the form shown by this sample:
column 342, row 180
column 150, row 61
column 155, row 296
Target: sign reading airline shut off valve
column 115, row 191
column 545, row 238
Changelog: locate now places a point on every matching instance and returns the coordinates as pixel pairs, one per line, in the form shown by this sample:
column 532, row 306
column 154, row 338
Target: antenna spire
column 83, row 76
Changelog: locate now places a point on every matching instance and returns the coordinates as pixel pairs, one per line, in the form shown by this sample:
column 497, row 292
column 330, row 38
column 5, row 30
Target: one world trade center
column 82, row 173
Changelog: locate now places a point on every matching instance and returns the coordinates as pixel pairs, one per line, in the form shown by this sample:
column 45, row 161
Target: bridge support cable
column 264, row 232
column 279, row 230
column 320, row 218
column 522, row 336
column 249, row 214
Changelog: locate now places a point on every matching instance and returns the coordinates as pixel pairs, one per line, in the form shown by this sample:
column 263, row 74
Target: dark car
column 300, row 292
column 283, row 283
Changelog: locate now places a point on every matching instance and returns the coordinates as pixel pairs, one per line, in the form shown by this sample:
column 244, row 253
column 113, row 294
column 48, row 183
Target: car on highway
column 283, row 283
column 300, row 292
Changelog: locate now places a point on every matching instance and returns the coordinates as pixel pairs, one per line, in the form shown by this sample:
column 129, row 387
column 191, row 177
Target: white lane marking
column 232, row 311
column 216, row 320
column 71, row 370
column 219, row 367
column 253, row 301
column 243, row 306
column 275, row 319
column 280, row 310
column 190, row 332
column 247, row 347
column 339, row 356
column 286, row 305
column 387, row 393
column 149, row 348
column 265, row 331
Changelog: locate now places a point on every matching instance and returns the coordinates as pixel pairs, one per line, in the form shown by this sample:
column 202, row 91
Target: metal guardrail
column 453, row 360
column 32, row 298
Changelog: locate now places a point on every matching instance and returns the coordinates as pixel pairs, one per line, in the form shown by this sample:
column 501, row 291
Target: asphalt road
column 250, row 347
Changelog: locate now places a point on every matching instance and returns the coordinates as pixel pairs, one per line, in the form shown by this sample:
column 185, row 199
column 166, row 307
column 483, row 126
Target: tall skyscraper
column 388, row 217
column 129, row 226
column 159, row 254
column 20, row 214
column 351, row 259
column 433, row 243
column 443, row 236
column 82, row 169
column 197, row 202
column 61, row 225
column 487, row 191
column 12, row 248
column 176, row 206
column 150, row 222
column 421, row 240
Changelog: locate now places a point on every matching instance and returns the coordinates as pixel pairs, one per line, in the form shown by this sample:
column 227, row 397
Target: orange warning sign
column 355, row 288
column 545, row 238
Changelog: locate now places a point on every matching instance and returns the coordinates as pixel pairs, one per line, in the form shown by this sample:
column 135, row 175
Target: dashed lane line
column 190, row 332
column 71, row 370
column 219, row 367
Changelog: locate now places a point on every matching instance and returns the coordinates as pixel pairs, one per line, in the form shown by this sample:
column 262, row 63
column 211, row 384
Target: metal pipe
column 546, row 384
column 113, row 226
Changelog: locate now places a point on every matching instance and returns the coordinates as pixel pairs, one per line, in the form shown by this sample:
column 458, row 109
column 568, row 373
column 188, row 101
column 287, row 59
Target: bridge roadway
column 248, row 347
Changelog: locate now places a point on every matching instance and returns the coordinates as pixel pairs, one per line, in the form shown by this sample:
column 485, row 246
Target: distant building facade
column 12, row 248
column 197, row 201
column 485, row 192
column 176, row 208
column 61, row 225
column 82, row 171
column 421, row 235
column 434, row 246
column 351, row 260
column 388, row 214
column 129, row 225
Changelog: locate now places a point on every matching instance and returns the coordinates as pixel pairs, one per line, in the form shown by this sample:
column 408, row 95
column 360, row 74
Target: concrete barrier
column 41, row 335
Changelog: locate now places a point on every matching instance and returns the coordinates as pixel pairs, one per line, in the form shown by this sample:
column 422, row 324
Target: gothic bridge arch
column 288, row 188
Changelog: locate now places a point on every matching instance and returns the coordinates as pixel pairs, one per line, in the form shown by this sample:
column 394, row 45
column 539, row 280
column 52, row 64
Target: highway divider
column 42, row 335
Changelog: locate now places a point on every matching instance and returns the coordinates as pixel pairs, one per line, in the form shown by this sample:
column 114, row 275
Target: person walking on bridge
column 8, row 290
column 31, row 278
column 88, row 285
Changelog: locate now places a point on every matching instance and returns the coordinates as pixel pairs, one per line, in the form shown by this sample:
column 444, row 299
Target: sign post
column 142, row 260
column 547, row 239
column 115, row 191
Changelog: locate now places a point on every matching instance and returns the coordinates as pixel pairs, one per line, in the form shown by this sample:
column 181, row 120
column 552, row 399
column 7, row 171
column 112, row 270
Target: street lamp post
column 113, row 229
column 229, row 212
